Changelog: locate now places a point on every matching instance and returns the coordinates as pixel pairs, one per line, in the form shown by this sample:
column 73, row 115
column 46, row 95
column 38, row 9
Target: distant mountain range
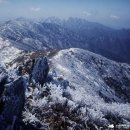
column 60, row 34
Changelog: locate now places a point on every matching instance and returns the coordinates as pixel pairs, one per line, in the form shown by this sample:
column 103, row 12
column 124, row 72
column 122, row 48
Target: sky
column 113, row 13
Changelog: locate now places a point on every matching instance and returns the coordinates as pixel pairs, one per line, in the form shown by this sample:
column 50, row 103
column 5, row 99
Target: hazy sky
column 114, row 13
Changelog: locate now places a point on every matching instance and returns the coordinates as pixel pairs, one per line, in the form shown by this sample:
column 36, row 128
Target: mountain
column 74, row 32
column 68, row 89
column 7, row 51
column 29, row 35
column 94, row 75
column 111, row 43
column 47, row 84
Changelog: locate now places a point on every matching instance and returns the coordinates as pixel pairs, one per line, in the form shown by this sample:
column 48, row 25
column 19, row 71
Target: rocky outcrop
column 3, row 79
column 12, row 91
column 40, row 70
column 12, row 103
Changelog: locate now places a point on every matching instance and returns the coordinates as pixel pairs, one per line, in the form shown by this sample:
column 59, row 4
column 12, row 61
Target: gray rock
column 3, row 79
column 40, row 70
column 13, row 100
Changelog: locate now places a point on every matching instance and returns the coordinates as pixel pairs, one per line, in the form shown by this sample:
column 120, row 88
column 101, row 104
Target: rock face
column 12, row 103
column 12, row 90
column 3, row 78
column 40, row 70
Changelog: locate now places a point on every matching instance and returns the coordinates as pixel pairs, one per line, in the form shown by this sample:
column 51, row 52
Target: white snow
column 78, row 67
column 7, row 52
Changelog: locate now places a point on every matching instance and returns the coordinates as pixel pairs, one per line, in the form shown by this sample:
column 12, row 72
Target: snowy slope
column 32, row 35
column 103, row 85
column 90, row 72
column 82, row 91
column 7, row 51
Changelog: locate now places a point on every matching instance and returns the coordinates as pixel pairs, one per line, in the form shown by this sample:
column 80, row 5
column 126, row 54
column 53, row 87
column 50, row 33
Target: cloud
column 35, row 9
column 115, row 17
column 85, row 13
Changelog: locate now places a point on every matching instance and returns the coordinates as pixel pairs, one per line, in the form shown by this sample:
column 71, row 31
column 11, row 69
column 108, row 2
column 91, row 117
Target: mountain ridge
column 64, row 89
column 57, row 34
